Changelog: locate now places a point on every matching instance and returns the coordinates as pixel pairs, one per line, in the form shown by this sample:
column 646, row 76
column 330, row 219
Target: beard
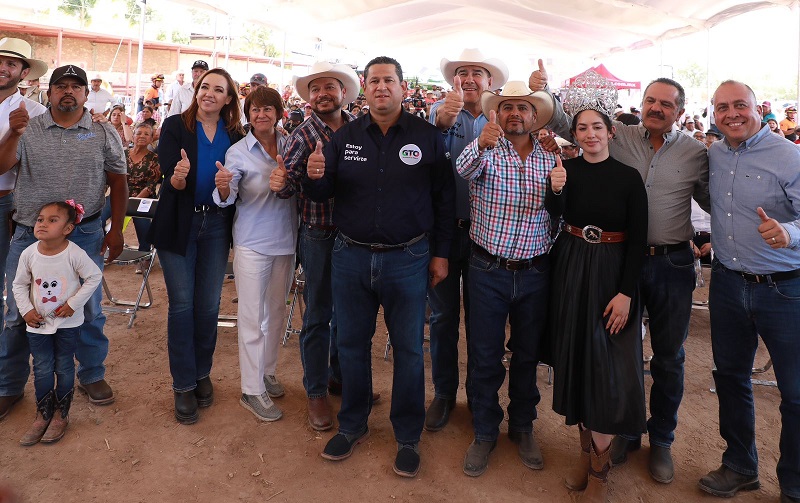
column 67, row 108
column 12, row 84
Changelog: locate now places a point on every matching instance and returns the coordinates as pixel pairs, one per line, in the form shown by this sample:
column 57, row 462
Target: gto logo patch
column 410, row 154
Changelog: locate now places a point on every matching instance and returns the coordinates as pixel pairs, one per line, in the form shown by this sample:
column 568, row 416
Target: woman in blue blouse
column 193, row 235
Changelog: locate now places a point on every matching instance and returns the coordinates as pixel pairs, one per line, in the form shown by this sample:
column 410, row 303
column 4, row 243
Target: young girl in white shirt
column 48, row 291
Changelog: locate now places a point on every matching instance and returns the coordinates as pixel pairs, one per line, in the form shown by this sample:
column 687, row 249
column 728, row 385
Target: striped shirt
column 507, row 198
column 301, row 144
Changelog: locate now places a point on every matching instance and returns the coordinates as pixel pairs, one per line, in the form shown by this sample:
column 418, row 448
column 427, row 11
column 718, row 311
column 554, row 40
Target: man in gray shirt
column 62, row 155
column 674, row 168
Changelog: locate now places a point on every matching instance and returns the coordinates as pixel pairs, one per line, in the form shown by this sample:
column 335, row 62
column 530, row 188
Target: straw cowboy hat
column 343, row 73
column 474, row 57
column 17, row 48
column 542, row 101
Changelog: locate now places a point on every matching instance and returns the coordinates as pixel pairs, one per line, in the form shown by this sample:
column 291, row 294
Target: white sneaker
column 261, row 406
column 274, row 388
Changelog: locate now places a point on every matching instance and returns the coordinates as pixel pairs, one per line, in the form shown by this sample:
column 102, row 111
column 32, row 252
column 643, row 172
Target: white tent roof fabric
column 588, row 28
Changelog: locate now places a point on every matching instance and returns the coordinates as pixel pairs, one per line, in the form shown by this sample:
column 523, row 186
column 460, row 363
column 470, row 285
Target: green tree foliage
column 133, row 12
column 79, row 9
column 257, row 41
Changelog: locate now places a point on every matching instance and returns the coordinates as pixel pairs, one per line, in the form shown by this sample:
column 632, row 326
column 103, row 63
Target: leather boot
column 597, row 486
column 578, row 476
column 58, row 426
column 44, row 413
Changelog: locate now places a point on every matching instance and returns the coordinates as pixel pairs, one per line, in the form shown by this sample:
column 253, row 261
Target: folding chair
column 140, row 208
column 297, row 297
column 228, row 320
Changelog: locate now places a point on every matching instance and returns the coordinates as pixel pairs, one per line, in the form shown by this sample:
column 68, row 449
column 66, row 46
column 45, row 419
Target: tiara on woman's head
column 591, row 91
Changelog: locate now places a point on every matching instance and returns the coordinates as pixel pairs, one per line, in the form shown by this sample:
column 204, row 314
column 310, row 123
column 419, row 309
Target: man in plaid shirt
column 507, row 170
column 328, row 89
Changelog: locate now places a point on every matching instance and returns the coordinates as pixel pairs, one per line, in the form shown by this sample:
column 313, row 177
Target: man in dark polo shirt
column 394, row 209
column 62, row 154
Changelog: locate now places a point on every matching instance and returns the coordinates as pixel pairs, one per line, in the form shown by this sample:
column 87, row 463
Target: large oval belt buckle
column 591, row 234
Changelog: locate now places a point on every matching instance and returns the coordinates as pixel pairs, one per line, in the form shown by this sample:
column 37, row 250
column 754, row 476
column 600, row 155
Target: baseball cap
column 73, row 71
column 765, row 102
column 200, row 64
column 296, row 115
column 259, row 78
column 157, row 76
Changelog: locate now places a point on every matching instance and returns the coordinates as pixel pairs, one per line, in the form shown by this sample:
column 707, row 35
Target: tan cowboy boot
column 597, row 487
column 578, row 476
column 44, row 413
column 58, row 426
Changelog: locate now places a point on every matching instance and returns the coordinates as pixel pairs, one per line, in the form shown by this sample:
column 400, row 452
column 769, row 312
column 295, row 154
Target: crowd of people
column 561, row 217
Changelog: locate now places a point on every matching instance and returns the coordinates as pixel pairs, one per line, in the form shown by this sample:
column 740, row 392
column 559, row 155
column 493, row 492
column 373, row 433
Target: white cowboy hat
column 474, row 57
column 17, row 48
column 343, row 73
column 542, row 101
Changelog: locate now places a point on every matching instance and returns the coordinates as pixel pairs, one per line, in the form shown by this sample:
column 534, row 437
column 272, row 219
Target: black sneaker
column 406, row 464
column 341, row 445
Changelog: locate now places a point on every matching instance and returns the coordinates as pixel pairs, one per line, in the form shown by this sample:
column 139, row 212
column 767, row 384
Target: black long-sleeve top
column 609, row 195
column 389, row 189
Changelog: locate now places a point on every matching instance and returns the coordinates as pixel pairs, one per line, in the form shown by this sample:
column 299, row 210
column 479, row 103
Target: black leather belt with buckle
column 507, row 263
column 381, row 247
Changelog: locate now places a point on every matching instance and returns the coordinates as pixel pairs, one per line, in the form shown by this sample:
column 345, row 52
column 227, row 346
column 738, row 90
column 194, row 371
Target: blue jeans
column 666, row 286
column 6, row 205
column 194, row 285
column 740, row 312
column 92, row 346
column 519, row 297
column 397, row 280
column 318, row 336
column 54, row 356
column 141, row 225
column 445, row 302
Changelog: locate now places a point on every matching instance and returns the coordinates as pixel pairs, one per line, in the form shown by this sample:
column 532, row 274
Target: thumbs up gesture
column 277, row 179
column 222, row 180
column 454, row 101
column 18, row 119
column 316, row 163
column 558, row 176
column 492, row 132
column 772, row 232
column 538, row 79
column 182, row 167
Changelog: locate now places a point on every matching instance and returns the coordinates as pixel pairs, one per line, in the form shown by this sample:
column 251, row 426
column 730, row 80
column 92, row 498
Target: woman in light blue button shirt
column 264, row 238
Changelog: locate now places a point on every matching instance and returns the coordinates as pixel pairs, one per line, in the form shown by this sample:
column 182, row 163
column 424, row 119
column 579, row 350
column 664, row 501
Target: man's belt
column 653, row 250
column 767, row 278
column 320, row 226
column 507, row 263
column 593, row 234
column 381, row 247
column 462, row 223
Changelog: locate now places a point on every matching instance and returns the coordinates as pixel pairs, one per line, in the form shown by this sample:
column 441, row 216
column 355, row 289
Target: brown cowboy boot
column 44, row 413
column 597, row 486
column 58, row 426
column 578, row 476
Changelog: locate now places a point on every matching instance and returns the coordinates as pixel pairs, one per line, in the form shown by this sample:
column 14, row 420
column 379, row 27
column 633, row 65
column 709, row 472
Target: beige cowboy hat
column 474, row 57
column 17, row 48
column 343, row 73
column 542, row 101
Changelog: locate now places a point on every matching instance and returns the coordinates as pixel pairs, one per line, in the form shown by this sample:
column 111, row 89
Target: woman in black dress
column 595, row 317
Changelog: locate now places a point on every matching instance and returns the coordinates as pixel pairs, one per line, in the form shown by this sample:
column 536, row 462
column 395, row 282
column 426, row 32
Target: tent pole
column 796, row 9
column 708, row 75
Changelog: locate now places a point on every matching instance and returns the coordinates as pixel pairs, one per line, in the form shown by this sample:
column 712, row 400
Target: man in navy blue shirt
column 394, row 189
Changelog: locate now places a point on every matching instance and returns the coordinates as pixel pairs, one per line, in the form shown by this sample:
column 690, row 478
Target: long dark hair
column 230, row 113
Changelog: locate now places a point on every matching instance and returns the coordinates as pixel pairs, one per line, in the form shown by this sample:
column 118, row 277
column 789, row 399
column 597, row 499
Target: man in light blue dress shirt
column 754, row 180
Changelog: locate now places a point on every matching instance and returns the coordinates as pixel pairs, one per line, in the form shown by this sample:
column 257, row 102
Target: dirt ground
column 135, row 451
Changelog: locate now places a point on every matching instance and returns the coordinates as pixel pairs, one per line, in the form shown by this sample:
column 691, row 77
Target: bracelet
column 557, row 193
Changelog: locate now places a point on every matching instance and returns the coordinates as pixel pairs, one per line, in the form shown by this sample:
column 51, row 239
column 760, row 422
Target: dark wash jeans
column 520, row 297
column 666, row 285
column 741, row 312
column 363, row 281
column 318, row 350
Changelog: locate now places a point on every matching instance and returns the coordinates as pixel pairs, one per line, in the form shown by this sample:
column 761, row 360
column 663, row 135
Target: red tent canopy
column 602, row 70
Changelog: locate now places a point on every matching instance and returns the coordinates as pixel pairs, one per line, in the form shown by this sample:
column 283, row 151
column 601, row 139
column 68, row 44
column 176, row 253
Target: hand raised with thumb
column 491, row 134
column 277, row 179
column 558, row 176
column 772, row 232
column 538, row 79
column 18, row 119
column 223, row 177
column 316, row 163
column 454, row 101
